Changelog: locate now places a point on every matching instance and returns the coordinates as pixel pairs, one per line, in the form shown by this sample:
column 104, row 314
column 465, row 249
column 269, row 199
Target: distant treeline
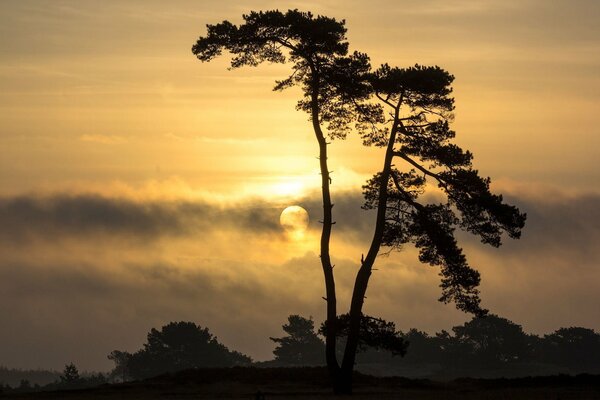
column 38, row 380
column 483, row 347
column 486, row 347
column 13, row 376
column 489, row 347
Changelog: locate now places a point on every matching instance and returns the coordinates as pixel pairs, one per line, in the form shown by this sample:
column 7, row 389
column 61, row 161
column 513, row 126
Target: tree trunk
column 330, row 334
column 342, row 383
column 364, row 273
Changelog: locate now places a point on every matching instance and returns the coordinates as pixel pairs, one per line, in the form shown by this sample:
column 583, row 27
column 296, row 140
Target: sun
column 294, row 220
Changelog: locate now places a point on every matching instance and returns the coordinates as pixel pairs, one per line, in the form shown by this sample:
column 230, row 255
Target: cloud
column 350, row 219
column 232, row 140
column 102, row 139
column 50, row 218
column 557, row 221
column 554, row 220
column 457, row 7
column 569, row 224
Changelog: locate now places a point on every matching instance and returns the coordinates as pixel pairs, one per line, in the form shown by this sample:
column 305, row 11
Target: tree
column 317, row 49
column 177, row 346
column 491, row 341
column 423, row 349
column 575, row 348
column 301, row 346
column 70, row 375
column 341, row 92
column 121, row 369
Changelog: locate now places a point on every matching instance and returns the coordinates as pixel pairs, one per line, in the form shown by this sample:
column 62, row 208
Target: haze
column 139, row 186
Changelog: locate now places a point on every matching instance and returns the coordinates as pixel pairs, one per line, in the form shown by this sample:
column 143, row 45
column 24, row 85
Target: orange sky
column 102, row 91
column 104, row 99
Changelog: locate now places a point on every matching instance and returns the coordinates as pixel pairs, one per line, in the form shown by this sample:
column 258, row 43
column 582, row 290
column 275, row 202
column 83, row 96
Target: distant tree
column 12, row 377
column 422, row 348
column 574, row 348
column 177, row 346
column 94, row 380
column 121, row 369
column 341, row 92
column 301, row 346
column 486, row 342
column 70, row 375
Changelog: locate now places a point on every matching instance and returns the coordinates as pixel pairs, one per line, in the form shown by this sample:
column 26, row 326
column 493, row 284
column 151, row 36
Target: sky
column 139, row 186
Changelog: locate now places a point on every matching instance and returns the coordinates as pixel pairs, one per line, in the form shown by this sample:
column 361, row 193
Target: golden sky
column 136, row 183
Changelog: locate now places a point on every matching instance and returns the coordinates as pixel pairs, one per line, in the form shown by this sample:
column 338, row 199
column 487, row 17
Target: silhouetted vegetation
column 485, row 347
column 301, row 346
column 70, row 375
column 408, row 112
column 177, row 346
column 375, row 334
column 69, row 379
column 488, row 346
column 12, row 376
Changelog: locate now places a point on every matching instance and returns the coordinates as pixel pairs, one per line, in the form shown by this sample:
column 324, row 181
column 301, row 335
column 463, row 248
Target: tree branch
column 420, row 167
column 384, row 100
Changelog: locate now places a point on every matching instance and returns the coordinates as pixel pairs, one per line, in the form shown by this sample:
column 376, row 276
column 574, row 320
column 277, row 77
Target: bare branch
column 386, row 100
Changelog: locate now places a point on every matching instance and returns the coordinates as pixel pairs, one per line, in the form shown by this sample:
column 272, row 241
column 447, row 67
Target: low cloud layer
column 52, row 217
column 566, row 222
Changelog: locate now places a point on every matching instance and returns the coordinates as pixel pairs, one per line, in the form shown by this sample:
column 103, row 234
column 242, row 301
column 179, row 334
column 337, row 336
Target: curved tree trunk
column 364, row 273
column 330, row 335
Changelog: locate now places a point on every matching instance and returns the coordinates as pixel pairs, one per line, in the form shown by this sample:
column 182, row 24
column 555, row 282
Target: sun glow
column 285, row 187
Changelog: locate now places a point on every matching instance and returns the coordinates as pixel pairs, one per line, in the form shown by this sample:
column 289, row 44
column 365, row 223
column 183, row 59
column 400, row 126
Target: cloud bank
column 49, row 218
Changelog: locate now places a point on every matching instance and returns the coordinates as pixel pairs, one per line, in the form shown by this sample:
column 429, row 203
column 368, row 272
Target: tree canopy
column 301, row 345
column 176, row 346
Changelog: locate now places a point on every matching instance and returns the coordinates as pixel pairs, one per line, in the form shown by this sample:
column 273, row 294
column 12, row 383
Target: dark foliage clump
column 177, row 346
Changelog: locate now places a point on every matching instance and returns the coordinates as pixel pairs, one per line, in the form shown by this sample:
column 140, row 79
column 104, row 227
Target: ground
column 312, row 383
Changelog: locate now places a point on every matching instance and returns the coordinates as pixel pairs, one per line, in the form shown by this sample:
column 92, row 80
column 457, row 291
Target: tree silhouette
column 317, row 50
column 491, row 341
column 574, row 348
column 121, row 369
column 341, row 92
column 418, row 133
column 423, row 349
column 177, row 346
column 301, row 346
column 70, row 375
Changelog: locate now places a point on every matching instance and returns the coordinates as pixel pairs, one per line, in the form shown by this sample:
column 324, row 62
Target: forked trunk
column 342, row 383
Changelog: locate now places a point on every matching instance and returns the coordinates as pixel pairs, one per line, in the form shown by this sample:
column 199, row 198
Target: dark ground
column 312, row 383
